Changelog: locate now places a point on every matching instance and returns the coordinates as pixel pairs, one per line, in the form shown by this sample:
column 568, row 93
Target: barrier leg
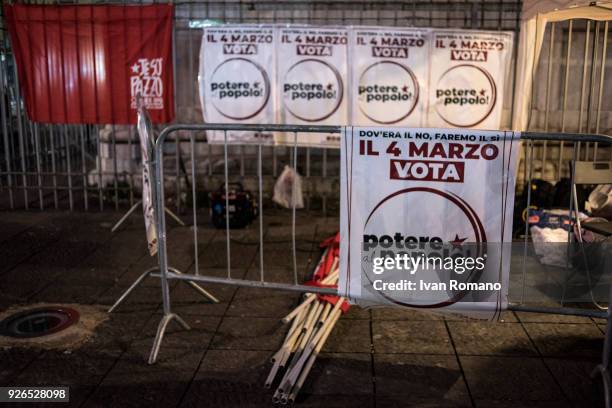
column 603, row 369
column 151, row 272
column 174, row 216
column 161, row 330
column 126, row 215
column 133, row 286
column 197, row 287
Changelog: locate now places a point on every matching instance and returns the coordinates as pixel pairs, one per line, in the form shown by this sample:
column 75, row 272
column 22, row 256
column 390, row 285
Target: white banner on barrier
column 312, row 72
column 238, row 80
column 390, row 68
column 468, row 77
column 444, row 198
column 145, row 135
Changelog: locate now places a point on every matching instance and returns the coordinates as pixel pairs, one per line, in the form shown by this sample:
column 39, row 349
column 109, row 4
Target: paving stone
column 400, row 401
column 507, row 316
column 349, row 336
column 68, row 368
column 429, row 337
column 420, row 378
column 131, row 384
column 200, row 334
column 14, row 360
column 250, row 302
column 215, row 255
column 490, row 338
column 397, row 313
column 186, row 301
column 254, row 333
column 522, row 404
column 230, row 371
column 509, row 379
column 305, row 400
column 340, row 374
column 355, row 312
column 566, row 339
column 574, row 376
column 526, row 317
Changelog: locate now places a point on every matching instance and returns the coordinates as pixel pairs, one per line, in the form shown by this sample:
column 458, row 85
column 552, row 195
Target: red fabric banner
column 87, row 63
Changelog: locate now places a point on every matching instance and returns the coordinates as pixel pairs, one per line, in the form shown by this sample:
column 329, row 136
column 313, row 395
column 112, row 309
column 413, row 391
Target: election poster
column 468, row 77
column 238, row 80
column 390, row 68
column 426, row 218
column 146, row 137
column 312, row 81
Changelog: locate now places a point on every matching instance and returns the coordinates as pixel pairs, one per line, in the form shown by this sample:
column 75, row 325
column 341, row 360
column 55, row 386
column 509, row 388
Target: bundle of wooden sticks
column 311, row 324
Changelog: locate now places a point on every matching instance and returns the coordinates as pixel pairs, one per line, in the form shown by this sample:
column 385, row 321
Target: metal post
column 227, row 228
column 565, row 85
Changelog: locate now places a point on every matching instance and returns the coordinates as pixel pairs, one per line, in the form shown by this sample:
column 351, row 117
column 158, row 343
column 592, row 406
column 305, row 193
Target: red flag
column 87, row 63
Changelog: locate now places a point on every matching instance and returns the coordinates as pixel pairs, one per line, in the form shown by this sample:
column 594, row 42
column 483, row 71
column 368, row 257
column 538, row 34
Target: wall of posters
column 368, row 76
column 468, row 77
column 390, row 69
column 441, row 197
column 238, row 80
column 312, row 81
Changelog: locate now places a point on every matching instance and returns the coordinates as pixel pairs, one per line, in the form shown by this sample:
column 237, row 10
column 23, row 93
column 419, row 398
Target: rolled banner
column 469, row 70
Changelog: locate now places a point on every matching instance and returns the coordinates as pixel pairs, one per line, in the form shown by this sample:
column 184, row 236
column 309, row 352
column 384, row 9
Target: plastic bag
column 600, row 201
column 288, row 189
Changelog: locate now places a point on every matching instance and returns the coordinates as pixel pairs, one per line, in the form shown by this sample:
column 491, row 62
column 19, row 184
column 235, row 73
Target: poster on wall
column 237, row 80
column 426, row 218
column 390, row 69
column 468, row 78
column 312, row 82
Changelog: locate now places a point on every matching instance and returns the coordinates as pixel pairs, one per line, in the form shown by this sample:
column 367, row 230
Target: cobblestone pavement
column 377, row 358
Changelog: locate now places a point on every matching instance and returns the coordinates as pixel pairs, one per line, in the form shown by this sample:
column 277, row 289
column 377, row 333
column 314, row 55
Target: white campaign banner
column 237, row 80
column 468, row 78
column 444, row 198
column 390, row 69
column 312, row 80
column 145, row 135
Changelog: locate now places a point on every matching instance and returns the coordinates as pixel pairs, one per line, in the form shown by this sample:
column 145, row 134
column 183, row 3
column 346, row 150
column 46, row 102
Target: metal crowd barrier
column 166, row 273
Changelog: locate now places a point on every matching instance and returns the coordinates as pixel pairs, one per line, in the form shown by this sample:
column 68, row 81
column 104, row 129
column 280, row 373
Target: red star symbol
column 330, row 86
column 482, row 92
column 405, row 88
column 456, row 243
column 135, row 68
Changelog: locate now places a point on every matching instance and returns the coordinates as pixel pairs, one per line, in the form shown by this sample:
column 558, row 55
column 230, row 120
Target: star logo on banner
column 456, row 243
column 405, row 88
column 135, row 68
column 330, row 87
column 483, row 92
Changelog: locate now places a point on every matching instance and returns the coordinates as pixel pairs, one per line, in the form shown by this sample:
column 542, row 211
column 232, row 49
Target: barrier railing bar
column 260, row 210
column 293, row 198
column 194, row 206
column 528, row 135
column 601, row 81
column 38, row 165
column 66, row 134
column 252, row 283
column 584, row 72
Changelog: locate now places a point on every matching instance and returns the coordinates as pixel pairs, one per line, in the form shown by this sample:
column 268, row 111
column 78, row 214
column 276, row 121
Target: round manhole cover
column 38, row 322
